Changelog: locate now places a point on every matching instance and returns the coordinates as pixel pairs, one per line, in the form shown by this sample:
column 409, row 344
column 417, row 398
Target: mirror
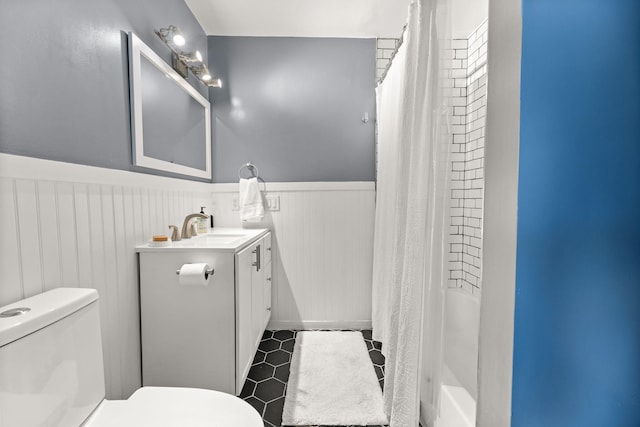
column 171, row 120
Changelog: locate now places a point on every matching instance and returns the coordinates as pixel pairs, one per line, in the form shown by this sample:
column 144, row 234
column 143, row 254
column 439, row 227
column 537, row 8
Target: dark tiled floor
column 266, row 383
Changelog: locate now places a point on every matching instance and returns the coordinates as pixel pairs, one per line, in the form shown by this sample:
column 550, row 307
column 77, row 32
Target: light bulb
column 206, row 77
column 178, row 40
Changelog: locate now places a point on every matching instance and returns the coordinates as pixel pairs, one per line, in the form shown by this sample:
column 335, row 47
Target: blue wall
column 64, row 77
column 293, row 106
column 577, row 322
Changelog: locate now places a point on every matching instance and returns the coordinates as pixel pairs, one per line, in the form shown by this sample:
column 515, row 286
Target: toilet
column 51, row 374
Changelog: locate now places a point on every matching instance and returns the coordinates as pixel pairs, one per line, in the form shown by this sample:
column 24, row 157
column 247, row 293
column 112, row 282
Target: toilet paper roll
column 194, row 275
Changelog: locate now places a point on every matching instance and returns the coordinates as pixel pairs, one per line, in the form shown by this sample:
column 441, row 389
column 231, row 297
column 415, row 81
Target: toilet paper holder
column 207, row 273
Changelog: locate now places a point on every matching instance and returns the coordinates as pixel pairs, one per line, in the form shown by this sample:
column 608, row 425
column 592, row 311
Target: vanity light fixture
column 182, row 61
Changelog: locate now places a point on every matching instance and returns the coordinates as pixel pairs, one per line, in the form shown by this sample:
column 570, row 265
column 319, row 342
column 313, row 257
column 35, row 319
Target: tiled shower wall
column 385, row 49
column 468, row 100
column 466, row 89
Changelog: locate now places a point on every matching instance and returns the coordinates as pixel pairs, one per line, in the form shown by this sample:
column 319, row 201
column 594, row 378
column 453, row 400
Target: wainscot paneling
column 323, row 244
column 77, row 226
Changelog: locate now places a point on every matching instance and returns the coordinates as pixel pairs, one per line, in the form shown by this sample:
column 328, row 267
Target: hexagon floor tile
column 266, row 383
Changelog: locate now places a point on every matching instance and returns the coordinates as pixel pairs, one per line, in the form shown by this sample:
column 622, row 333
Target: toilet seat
column 170, row 407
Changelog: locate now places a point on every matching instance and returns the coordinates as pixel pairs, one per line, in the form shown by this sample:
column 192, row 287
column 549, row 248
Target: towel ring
column 249, row 166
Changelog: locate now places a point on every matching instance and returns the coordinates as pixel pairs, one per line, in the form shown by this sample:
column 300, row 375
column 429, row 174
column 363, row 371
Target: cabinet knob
column 268, row 308
column 269, row 278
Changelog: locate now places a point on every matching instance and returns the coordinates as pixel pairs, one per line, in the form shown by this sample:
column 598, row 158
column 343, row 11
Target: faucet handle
column 193, row 230
column 175, row 236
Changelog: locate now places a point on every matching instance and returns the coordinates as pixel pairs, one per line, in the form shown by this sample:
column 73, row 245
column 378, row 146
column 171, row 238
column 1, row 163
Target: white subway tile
column 385, row 53
column 458, row 138
column 456, row 185
column 457, row 130
column 476, row 134
column 456, row 212
column 386, row 43
column 459, row 111
column 460, row 82
column 460, row 53
column 382, row 63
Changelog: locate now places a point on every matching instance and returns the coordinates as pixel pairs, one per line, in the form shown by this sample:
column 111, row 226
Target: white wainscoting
column 323, row 245
column 77, row 226
column 72, row 225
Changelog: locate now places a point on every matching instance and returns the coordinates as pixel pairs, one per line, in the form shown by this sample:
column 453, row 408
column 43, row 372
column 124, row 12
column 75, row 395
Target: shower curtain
column 412, row 212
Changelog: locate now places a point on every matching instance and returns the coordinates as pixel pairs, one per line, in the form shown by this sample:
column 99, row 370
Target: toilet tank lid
column 45, row 309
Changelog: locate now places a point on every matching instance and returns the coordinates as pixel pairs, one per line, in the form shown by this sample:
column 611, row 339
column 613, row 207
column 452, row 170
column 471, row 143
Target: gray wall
column 64, row 85
column 293, row 106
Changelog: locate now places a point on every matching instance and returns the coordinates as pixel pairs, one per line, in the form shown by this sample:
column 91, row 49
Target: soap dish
column 153, row 244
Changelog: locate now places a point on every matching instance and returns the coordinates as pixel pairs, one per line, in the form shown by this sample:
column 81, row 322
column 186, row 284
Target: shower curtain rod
column 393, row 55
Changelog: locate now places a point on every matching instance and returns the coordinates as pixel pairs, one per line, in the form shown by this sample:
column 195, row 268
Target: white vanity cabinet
column 204, row 336
column 253, row 305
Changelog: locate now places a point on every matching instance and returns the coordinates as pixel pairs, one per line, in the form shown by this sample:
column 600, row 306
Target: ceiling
column 301, row 18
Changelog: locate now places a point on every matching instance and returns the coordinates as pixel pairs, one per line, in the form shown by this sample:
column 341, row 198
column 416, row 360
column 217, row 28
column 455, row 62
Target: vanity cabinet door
column 251, row 301
column 244, row 326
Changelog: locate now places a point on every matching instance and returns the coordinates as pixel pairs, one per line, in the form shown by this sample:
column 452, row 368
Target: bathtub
column 460, row 371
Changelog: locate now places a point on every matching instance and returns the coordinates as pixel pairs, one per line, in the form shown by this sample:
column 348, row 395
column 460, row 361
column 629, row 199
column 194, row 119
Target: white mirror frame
column 137, row 49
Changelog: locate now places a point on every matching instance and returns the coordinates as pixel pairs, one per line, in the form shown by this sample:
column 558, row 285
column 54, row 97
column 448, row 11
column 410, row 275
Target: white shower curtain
column 411, row 217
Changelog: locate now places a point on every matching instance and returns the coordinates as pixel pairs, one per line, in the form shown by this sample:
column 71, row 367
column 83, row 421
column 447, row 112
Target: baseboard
column 276, row 325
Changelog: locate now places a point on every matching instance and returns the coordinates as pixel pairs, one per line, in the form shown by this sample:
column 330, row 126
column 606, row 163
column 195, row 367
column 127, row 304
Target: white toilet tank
column 51, row 369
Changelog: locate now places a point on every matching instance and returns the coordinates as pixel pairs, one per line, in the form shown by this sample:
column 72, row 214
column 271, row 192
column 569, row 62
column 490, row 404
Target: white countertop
column 218, row 239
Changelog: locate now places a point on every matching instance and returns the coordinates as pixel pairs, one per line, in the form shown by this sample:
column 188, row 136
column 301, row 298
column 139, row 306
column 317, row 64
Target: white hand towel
column 250, row 200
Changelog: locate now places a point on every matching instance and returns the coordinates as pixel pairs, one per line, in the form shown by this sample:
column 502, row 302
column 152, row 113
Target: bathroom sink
column 221, row 239
column 209, row 240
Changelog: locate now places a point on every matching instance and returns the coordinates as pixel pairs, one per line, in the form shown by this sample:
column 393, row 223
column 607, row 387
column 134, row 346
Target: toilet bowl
column 170, row 406
column 51, row 374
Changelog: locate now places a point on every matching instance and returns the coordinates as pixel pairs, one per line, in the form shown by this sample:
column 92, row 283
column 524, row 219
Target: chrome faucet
column 187, row 232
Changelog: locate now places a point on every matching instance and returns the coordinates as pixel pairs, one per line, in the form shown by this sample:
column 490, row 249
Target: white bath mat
column 332, row 382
